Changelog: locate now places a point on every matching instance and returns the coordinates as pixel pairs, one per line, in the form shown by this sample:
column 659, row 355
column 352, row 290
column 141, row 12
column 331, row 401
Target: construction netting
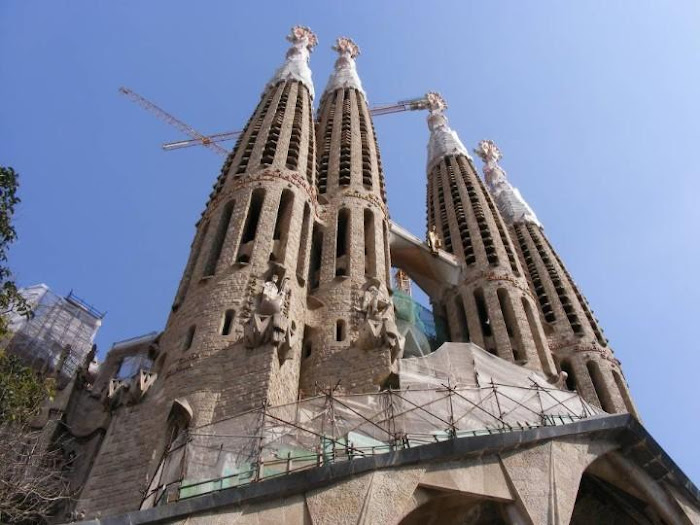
column 424, row 333
column 59, row 334
column 457, row 391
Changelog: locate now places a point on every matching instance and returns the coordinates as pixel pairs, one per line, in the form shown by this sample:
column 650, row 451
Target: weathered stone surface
column 341, row 503
column 482, row 476
column 546, row 477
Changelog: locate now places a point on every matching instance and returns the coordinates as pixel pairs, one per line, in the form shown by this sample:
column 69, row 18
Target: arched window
column 606, row 402
column 622, row 387
column 218, row 242
column 536, row 334
column 194, row 257
column 483, row 312
column 282, row 225
column 511, row 325
column 227, row 322
column 570, row 378
column 251, row 225
column 189, row 338
column 461, row 314
column 342, row 243
column 370, row 248
column 340, row 330
column 316, row 251
column 304, row 242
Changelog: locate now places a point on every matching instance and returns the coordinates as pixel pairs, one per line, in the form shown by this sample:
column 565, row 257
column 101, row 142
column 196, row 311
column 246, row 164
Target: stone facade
column 287, row 294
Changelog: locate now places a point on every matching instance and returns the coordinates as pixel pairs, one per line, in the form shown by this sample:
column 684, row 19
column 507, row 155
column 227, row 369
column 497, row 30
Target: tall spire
column 443, row 139
column 510, row 202
column 345, row 74
column 296, row 63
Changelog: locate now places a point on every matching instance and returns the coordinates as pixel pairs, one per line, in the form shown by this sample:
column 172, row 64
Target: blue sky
column 595, row 105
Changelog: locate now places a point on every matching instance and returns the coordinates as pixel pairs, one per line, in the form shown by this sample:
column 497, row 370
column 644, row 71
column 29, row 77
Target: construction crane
column 197, row 137
column 211, row 141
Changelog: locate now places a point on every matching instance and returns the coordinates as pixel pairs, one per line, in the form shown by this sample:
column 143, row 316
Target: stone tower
column 233, row 339
column 575, row 337
column 351, row 336
column 245, row 274
column 492, row 306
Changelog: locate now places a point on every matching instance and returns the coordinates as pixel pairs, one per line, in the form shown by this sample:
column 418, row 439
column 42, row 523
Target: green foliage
column 21, row 390
column 10, row 298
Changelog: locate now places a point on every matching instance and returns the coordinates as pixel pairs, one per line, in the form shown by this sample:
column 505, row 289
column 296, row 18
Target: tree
column 32, row 476
column 10, row 298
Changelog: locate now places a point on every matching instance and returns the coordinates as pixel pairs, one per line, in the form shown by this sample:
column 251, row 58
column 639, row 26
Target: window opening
column 219, row 238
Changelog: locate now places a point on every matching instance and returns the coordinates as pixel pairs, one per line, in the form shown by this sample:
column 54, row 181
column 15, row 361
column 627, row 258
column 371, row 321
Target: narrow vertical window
column 570, row 378
column 227, row 322
column 606, row 402
column 282, row 225
column 622, row 387
column 315, row 262
column 251, row 225
column 483, row 312
column 304, row 242
column 340, row 330
column 461, row 314
column 536, row 335
column 342, row 240
column 511, row 325
column 370, row 248
column 189, row 338
column 189, row 269
column 219, row 238
column 307, row 347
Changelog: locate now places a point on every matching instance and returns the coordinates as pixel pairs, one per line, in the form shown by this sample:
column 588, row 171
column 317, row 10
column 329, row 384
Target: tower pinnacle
column 345, row 73
column 296, row 63
column 510, row 202
column 443, row 139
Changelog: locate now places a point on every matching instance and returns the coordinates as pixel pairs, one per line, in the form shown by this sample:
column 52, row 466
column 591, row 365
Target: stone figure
column 378, row 329
column 269, row 323
column 434, row 241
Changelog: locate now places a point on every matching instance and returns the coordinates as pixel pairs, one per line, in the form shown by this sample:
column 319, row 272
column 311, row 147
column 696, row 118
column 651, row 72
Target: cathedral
column 297, row 381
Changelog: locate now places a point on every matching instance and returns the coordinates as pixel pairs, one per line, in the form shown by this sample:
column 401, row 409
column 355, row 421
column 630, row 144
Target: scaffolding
column 59, row 334
column 458, row 391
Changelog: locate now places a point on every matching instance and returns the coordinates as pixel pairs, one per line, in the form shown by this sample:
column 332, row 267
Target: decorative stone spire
column 443, row 139
column 510, row 202
column 345, row 73
column 296, row 64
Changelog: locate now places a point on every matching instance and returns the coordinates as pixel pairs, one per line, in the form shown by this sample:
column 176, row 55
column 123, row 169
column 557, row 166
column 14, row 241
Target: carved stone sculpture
column 269, row 323
column 378, row 329
column 434, row 241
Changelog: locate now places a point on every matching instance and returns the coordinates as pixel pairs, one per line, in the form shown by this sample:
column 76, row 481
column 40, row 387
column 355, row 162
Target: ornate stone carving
column 508, row 199
column 346, row 46
column 443, row 140
column 345, row 74
column 296, row 64
column 379, row 329
column 434, row 241
column 129, row 391
column 269, row 323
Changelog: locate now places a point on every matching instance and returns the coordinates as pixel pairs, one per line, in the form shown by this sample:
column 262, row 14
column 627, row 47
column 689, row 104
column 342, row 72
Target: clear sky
column 595, row 105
